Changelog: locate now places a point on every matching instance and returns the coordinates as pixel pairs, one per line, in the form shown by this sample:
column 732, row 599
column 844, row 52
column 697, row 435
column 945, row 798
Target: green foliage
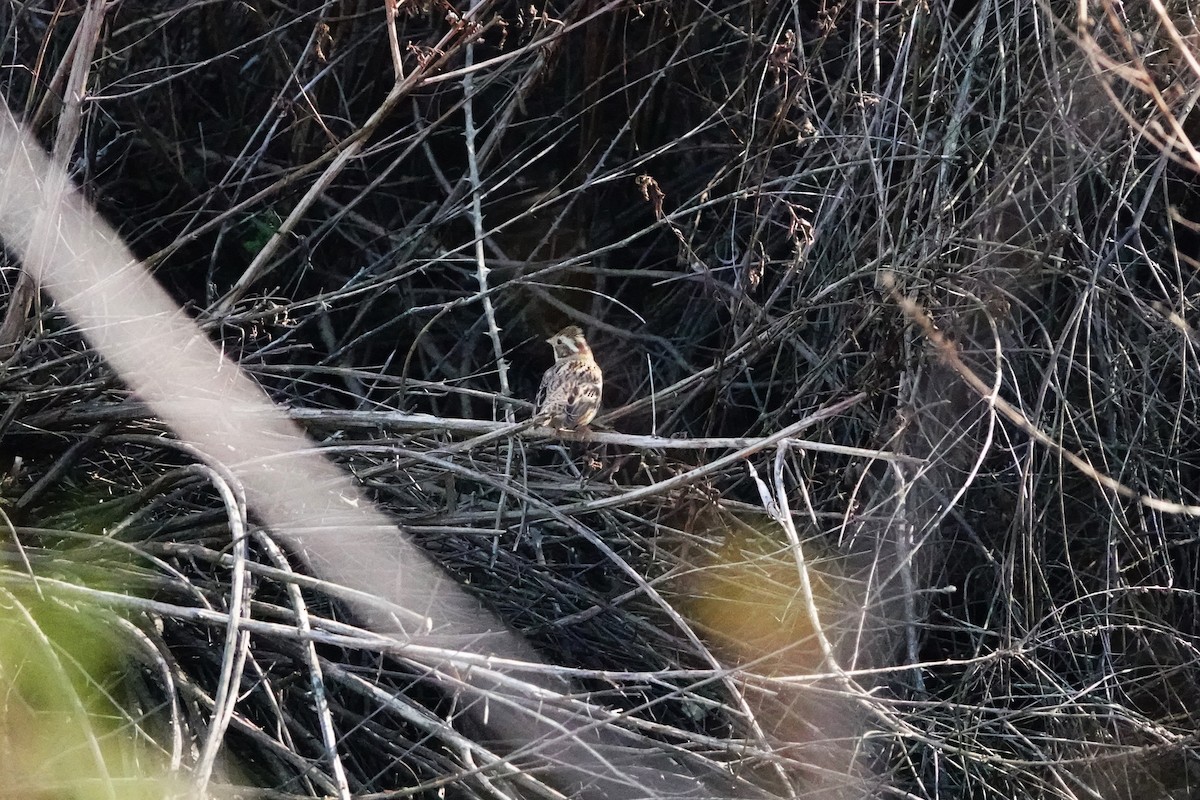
column 63, row 729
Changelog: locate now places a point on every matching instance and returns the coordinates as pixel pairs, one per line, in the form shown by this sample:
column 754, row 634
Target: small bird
column 569, row 396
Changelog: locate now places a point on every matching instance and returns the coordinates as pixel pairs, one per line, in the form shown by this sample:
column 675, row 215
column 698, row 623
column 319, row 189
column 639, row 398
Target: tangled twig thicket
column 970, row 228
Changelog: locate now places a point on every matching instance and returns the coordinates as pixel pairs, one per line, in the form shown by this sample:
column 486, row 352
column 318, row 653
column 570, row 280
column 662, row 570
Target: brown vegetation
column 970, row 228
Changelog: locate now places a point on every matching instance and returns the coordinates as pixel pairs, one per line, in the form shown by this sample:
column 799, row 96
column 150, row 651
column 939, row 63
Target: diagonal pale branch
column 83, row 47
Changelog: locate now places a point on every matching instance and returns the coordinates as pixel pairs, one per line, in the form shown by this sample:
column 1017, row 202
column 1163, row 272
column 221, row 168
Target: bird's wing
column 550, row 377
column 583, row 400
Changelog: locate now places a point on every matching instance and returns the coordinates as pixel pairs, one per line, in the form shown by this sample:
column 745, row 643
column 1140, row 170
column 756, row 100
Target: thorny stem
column 481, row 268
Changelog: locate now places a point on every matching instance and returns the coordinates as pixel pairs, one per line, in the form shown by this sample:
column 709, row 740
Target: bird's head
column 569, row 343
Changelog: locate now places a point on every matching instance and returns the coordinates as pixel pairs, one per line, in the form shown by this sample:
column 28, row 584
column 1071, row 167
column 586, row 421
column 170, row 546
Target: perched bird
column 569, row 396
